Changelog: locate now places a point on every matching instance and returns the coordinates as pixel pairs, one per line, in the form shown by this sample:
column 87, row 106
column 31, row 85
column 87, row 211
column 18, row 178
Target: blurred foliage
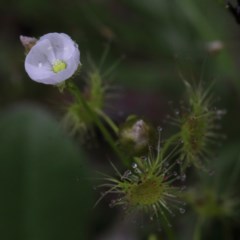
column 215, row 199
column 153, row 35
column 44, row 186
column 160, row 40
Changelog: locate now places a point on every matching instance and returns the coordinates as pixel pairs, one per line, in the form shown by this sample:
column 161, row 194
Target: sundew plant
column 151, row 155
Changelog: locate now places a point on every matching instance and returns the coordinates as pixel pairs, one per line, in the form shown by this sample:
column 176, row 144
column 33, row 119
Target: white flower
column 53, row 59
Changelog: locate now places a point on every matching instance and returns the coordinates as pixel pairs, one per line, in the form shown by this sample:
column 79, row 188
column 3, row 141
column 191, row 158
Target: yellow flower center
column 58, row 66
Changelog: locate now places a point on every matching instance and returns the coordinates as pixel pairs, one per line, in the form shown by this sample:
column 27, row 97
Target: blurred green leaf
column 44, row 191
column 228, row 169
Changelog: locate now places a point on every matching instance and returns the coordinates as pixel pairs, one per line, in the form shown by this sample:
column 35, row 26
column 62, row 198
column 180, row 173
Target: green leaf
column 43, row 179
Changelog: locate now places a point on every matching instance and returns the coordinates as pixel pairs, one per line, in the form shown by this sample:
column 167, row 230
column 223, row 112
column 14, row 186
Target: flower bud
column 214, row 47
column 28, row 42
column 135, row 136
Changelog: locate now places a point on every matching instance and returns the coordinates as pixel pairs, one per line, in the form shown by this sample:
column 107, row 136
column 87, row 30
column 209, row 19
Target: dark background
column 157, row 41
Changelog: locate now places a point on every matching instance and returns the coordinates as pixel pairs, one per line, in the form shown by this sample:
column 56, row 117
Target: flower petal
column 38, row 61
column 42, row 52
column 51, row 48
column 72, row 66
column 63, row 46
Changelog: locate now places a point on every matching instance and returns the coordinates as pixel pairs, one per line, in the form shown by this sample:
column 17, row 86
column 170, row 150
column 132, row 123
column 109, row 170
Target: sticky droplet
column 134, row 165
column 182, row 210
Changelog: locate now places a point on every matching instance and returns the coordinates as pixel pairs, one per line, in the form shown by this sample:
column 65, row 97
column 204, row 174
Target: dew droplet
column 166, row 164
column 124, row 208
column 111, row 205
column 177, row 112
column 183, row 177
column 179, row 162
column 178, row 177
column 182, row 210
column 211, row 172
column 134, row 165
column 127, row 173
column 221, row 112
column 183, row 188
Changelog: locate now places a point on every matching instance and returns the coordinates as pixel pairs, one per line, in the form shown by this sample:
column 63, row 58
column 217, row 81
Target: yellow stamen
column 59, row 66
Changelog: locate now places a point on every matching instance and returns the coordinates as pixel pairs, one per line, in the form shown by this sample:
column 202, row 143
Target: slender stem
column 167, row 227
column 152, row 237
column 232, row 179
column 169, row 231
column 170, row 234
column 110, row 70
column 167, row 144
column 108, row 120
column 198, row 228
column 103, row 58
column 78, row 96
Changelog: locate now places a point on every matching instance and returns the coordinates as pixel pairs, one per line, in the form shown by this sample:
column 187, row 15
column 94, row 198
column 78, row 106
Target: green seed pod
column 135, row 136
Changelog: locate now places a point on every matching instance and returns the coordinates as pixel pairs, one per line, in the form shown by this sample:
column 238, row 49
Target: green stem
column 197, row 231
column 166, row 226
column 108, row 120
column 166, row 145
column 170, row 234
column 79, row 98
column 152, row 237
column 169, row 231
